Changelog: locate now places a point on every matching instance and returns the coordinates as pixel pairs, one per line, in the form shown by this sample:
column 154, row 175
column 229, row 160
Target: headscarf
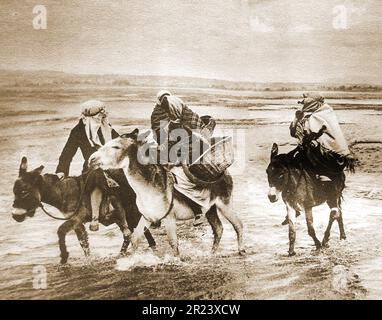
column 172, row 111
column 312, row 102
column 94, row 117
column 161, row 94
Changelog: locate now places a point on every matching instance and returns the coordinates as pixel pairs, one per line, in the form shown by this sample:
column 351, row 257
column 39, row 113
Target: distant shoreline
column 44, row 78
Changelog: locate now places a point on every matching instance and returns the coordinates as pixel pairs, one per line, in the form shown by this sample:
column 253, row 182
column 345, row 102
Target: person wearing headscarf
column 171, row 109
column 169, row 113
column 322, row 147
column 91, row 132
column 313, row 116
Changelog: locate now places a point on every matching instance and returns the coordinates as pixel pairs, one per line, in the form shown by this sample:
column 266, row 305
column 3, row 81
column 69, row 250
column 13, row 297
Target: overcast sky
column 256, row 40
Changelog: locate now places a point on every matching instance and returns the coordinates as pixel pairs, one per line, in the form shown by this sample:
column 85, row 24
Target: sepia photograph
column 186, row 150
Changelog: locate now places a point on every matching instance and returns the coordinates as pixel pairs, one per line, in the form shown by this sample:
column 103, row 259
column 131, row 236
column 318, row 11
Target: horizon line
column 328, row 82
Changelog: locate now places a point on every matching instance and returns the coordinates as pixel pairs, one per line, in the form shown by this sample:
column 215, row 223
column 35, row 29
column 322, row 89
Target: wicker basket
column 212, row 164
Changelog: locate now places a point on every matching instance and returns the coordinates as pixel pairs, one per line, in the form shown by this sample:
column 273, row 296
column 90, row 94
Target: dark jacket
column 77, row 139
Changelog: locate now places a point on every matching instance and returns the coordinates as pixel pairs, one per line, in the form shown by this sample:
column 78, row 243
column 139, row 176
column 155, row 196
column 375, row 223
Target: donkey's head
column 115, row 154
column 26, row 191
column 277, row 172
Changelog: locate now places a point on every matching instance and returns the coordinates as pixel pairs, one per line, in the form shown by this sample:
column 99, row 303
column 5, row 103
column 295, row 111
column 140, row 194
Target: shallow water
column 348, row 269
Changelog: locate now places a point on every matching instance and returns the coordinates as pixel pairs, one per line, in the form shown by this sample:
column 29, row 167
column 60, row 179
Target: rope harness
column 78, row 206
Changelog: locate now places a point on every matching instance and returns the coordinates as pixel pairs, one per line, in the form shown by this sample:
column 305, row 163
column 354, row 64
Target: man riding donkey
column 92, row 132
column 171, row 113
column 322, row 147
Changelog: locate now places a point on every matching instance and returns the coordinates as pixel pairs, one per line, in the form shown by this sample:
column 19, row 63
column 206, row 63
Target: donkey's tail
column 351, row 163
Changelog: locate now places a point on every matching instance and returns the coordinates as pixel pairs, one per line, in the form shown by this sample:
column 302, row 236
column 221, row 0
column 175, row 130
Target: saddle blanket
column 202, row 196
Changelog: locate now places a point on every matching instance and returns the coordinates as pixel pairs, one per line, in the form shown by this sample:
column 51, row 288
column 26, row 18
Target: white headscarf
column 94, row 117
column 161, row 94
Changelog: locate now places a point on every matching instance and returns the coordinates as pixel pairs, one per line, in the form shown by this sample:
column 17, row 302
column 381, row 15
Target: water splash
column 146, row 259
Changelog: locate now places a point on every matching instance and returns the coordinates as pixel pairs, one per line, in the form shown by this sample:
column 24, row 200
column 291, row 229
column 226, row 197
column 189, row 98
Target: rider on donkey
column 92, row 131
column 322, row 147
column 169, row 113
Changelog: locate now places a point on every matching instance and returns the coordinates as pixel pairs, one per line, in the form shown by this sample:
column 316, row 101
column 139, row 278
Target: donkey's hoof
column 342, row 237
column 291, row 254
column 94, row 226
column 325, row 244
column 242, row 252
column 64, row 257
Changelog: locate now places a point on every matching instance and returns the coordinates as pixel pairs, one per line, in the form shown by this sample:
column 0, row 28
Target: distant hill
column 20, row 78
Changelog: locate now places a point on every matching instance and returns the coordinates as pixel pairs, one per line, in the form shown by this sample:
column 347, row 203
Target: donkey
column 301, row 190
column 32, row 188
column 156, row 197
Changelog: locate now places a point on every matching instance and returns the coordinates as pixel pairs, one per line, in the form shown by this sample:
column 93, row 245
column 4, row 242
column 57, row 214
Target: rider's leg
column 95, row 199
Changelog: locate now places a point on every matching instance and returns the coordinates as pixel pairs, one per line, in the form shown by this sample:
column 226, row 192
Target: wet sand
column 350, row 269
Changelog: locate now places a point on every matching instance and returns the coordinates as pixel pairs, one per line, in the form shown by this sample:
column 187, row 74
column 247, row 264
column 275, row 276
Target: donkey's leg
column 226, row 211
column 328, row 228
column 61, row 232
column 120, row 213
column 95, row 199
column 170, row 224
column 216, row 225
column 334, row 214
column 311, row 231
column 82, row 237
column 120, row 217
column 150, row 239
column 138, row 231
column 292, row 229
column 132, row 218
column 126, row 238
column 341, row 226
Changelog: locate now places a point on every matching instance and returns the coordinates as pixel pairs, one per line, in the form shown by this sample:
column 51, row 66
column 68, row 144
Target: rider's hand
column 60, row 175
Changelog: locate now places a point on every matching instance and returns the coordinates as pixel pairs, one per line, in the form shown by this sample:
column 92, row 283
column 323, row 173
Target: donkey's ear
column 135, row 133
column 274, row 151
column 23, row 166
column 132, row 135
column 38, row 170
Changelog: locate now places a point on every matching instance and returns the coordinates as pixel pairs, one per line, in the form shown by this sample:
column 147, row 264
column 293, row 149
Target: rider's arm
column 68, row 153
column 294, row 123
column 292, row 129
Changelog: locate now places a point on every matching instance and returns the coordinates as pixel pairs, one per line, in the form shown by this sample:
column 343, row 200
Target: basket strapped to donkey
column 212, row 163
